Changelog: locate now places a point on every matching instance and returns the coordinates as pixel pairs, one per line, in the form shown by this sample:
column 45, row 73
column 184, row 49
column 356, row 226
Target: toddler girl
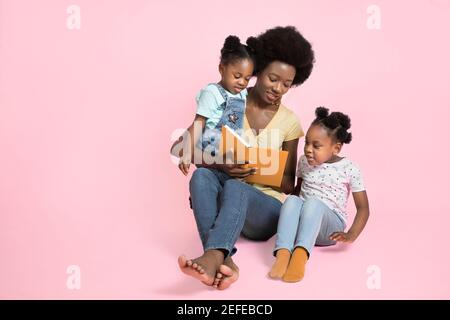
column 316, row 214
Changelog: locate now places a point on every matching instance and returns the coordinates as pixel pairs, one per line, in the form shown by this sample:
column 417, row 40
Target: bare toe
column 230, row 276
column 182, row 261
column 186, row 267
column 203, row 268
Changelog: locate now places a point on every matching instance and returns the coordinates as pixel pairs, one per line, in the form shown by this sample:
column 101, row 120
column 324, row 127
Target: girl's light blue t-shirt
column 209, row 100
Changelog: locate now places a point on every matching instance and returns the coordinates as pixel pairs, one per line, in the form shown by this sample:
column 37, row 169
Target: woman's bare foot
column 227, row 274
column 203, row 268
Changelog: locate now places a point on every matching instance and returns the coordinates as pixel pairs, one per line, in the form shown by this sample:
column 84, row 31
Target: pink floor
column 131, row 258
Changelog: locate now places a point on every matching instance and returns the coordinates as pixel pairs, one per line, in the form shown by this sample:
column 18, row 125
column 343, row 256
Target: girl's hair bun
column 231, row 44
column 336, row 123
column 234, row 50
column 321, row 112
column 344, row 120
column 254, row 45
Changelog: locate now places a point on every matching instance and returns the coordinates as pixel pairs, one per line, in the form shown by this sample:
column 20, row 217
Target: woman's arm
column 361, row 217
column 287, row 184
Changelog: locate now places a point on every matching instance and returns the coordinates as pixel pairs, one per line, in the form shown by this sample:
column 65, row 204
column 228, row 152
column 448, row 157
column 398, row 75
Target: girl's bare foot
column 203, row 268
column 227, row 274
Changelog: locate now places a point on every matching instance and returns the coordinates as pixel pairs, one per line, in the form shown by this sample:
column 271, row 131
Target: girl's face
column 236, row 75
column 274, row 81
column 319, row 146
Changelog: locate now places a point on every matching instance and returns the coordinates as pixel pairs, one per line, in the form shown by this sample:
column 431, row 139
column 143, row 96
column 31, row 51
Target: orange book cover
column 269, row 163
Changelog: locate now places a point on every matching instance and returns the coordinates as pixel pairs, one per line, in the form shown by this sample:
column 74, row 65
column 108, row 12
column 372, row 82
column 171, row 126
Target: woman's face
column 274, row 81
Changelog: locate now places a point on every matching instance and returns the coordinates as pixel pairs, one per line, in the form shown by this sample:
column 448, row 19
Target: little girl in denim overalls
column 223, row 103
column 232, row 112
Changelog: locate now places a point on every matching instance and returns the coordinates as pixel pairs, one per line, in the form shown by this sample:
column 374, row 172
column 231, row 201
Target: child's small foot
column 296, row 268
column 228, row 273
column 281, row 263
column 203, row 268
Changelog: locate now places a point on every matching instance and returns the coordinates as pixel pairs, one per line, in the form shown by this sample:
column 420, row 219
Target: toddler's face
column 319, row 146
column 236, row 75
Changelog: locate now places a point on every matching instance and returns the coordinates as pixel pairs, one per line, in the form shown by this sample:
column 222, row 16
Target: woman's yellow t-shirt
column 284, row 126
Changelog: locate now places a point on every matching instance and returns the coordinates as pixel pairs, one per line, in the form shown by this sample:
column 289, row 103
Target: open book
column 269, row 163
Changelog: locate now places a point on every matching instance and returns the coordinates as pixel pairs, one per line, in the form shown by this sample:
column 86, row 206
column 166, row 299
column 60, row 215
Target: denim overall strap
column 233, row 112
column 232, row 115
column 222, row 91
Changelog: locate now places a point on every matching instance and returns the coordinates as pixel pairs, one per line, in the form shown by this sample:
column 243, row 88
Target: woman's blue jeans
column 225, row 207
column 305, row 223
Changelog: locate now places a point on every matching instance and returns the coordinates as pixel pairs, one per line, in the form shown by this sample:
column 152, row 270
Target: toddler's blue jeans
column 305, row 224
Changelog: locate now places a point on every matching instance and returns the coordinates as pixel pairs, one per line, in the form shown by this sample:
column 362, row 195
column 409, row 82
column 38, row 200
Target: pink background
column 86, row 121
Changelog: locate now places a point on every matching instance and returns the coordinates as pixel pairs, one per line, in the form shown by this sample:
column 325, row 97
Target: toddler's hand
column 342, row 237
column 184, row 166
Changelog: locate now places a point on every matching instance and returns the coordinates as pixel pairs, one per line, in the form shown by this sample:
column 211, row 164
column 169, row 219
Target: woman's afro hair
column 283, row 44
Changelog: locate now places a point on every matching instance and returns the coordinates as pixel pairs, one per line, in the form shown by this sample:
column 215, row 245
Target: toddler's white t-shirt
column 330, row 183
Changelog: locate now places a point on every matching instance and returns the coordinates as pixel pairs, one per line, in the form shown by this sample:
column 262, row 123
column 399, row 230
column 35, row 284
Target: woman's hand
column 343, row 237
column 239, row 171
